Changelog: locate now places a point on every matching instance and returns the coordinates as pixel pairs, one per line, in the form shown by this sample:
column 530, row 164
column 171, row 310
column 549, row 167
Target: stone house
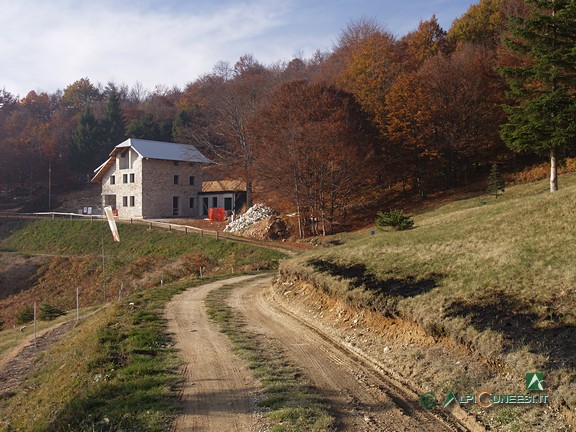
column 152, row 179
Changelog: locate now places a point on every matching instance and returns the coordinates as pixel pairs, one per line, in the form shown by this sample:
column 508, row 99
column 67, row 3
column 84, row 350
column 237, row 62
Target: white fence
column 187, row 229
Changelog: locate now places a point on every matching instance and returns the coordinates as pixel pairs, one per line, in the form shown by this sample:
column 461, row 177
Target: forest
column 324, row 136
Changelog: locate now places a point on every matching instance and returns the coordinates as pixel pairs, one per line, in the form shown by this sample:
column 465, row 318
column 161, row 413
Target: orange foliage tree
column 314, row 146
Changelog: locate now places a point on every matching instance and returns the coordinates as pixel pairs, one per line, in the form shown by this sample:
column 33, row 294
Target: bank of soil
column 18, row 272
column 419, row 362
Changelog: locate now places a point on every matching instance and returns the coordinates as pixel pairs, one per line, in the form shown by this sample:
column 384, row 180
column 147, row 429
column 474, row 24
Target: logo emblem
column 449, row 399
column 428, row 400
column 535, row 381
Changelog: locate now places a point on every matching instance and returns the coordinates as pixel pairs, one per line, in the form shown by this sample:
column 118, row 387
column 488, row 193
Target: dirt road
column 218, row 394
column 219, row 391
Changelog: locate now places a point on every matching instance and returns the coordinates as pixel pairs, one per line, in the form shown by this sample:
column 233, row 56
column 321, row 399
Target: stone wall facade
column 152, row 188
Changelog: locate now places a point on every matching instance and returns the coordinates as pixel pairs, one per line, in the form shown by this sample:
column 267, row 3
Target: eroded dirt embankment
column 406, row 352
column 361, row 396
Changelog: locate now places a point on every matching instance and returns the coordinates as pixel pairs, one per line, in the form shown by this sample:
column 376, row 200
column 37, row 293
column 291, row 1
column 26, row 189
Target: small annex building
column 152, row 179
column 227, row 194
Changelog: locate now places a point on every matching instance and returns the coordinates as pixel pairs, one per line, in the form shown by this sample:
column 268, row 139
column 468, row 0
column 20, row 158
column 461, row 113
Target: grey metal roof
column 164, row 150
column 152, row 150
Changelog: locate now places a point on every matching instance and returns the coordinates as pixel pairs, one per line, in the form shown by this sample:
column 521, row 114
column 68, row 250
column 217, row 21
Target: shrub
column 48, row 312
column 25, row 315
column 495, row 182
column 395, row 219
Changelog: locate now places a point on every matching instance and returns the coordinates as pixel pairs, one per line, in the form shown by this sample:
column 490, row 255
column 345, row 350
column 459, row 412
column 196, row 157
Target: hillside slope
column 494, row 276
column 44, row 261
column 114, row 369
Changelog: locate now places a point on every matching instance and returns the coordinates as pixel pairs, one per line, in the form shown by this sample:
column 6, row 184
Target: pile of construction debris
column 254, row 214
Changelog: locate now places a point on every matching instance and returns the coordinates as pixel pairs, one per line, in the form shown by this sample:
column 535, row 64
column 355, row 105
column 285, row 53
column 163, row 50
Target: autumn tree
column 409, row 147
column 314, row 147
column 372, row 66
column 80, row 95
column 542, row 81
column 423, row 43
column 222, row 127
column 482, row 24
column 448, row 112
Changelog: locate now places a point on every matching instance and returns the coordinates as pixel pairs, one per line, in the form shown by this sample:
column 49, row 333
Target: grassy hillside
column 116, row 369
column 72, row 253
column 495, row 275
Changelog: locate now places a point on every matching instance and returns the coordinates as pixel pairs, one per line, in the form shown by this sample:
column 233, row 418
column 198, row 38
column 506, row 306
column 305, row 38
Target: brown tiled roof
column 224, row 186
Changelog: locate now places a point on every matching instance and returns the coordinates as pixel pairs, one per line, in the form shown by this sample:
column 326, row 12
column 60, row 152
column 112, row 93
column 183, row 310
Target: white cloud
column 48, row 45
column 51, row 45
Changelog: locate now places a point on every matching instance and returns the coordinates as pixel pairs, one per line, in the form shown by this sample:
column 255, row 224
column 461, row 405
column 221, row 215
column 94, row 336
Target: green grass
column 116, row 371
column 496, row 275
column 73, row 237
column 142, row 258
column 11, row 338
column 291, row 401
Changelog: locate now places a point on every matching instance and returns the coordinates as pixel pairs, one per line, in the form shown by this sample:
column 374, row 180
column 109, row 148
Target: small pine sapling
column 395, row 219
column 495, row 182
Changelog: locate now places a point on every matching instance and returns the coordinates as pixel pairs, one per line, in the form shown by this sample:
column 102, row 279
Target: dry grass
column 64, row 368
column 496, row 275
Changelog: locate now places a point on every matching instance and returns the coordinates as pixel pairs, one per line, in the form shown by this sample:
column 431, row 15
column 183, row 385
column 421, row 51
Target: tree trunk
column 248, row 194
column 553, row 171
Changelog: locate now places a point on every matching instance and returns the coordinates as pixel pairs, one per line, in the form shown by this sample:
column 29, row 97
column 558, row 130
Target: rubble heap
column 254, row 214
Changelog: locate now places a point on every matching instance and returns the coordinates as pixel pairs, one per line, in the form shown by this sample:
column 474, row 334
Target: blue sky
column 47, row 45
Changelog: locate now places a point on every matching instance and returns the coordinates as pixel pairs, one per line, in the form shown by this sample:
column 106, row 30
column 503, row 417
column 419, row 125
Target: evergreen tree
column 495, row 182
column 145, row 128
column 542, row 81
column 84, row 155
column 114, row 123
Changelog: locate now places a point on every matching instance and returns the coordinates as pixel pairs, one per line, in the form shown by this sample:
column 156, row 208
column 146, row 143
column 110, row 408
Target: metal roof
column 163, row 150
column 152, row 150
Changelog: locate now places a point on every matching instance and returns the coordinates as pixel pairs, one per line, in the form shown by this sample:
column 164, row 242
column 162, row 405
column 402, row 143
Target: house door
column 205, row 206
column 175, row 206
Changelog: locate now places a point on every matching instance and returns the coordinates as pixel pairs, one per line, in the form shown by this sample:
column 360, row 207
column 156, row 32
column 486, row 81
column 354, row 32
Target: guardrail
column 164, row 225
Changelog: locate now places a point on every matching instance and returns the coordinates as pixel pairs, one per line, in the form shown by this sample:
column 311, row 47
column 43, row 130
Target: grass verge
column 289, row 397
column 114, row 372
column 494, row 275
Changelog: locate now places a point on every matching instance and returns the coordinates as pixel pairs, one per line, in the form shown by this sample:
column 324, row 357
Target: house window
column 125, row 201
column 214, row 201
column 176, row 179
column 132, row 201
column 110, row 200
column 124, row 178
column 191, row 180
column 191, row 202
column 228, row 204
column 123, row 161
column 131, row 178
column 112, row 180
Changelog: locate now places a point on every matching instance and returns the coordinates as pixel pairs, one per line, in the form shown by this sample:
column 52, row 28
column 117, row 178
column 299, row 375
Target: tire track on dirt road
column 361, row 397
column 219, row 390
